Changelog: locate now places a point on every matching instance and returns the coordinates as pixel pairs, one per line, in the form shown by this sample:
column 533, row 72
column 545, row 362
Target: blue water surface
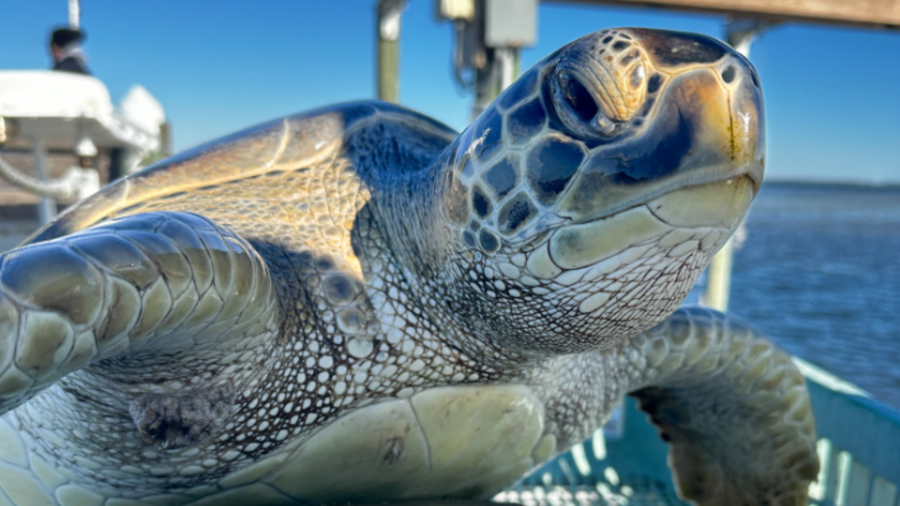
column 819, row 272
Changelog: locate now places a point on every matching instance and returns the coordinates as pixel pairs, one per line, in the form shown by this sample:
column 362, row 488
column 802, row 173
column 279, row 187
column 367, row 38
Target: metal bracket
column 389, row 12
column 740, row 32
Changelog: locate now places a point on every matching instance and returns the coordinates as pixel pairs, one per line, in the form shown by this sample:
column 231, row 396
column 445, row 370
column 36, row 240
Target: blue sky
column 832, row 94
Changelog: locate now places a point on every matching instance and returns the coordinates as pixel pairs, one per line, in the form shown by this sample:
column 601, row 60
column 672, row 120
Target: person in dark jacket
column 65, row 46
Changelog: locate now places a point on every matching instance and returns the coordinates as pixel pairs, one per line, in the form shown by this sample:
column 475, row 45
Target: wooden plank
column 868, row 13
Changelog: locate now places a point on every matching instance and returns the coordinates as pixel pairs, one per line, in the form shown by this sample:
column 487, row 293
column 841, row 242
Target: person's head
column 62, row 38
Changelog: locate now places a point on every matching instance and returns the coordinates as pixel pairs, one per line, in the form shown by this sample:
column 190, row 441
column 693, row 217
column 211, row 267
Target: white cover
column 141, row 108
column 41, row 93
column 61, row 107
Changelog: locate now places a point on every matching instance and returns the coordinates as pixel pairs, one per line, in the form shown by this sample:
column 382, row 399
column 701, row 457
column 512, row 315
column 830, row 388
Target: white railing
column 75, row 184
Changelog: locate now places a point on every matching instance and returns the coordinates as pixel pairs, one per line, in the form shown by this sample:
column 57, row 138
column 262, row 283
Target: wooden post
column 388, row 28
column 165, row 139
column 718, row 278
column 866, row 13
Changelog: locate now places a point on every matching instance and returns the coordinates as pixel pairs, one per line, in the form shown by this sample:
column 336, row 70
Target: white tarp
column 61, row 108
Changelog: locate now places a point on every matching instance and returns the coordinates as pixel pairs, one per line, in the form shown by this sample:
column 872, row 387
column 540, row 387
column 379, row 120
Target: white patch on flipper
column 46, row 473
column 545, row 449
column 480, row 438
column 466, row 441
column 253, row 472
column 594, row 302
column 73, row 495
column 11, row 448
column 541, row 265
column 256, row 494
column 22, row 487
column 368, row 455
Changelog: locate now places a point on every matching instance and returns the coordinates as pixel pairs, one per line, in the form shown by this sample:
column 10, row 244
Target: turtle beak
column 703, row 126
column 747, row 118
column 717, row 93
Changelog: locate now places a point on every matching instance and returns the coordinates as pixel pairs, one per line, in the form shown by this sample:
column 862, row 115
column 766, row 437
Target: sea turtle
column 359, row 304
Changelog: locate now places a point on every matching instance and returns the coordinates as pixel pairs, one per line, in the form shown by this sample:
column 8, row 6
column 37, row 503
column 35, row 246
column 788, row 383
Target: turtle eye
column 578, row 109
column 578, row 98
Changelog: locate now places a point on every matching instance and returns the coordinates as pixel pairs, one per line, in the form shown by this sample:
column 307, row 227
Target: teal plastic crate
column 625, row 462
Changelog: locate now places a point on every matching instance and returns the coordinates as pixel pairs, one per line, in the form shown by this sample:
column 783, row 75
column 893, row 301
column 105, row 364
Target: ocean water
column 819, row 273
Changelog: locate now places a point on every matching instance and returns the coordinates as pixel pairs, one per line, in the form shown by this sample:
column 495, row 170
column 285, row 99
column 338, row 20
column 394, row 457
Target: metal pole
column 481, row 61
column 485, row 84
column 46, row 207
column 740, row 34
column 388, row 65
column 501, row 70
column 506, row 59
column 74, row 14
column 498, row 29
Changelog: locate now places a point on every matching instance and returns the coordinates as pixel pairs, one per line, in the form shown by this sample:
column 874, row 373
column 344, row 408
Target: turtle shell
column 209, row 179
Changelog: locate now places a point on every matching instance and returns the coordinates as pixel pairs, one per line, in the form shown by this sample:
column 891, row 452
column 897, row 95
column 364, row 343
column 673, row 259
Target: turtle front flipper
column 120, row 295
column 733, row 408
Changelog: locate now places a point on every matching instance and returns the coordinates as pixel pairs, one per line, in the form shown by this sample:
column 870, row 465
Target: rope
column 57, row 190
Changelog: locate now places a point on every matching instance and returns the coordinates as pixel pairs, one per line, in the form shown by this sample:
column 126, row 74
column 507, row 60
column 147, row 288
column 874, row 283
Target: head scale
column 584, row 202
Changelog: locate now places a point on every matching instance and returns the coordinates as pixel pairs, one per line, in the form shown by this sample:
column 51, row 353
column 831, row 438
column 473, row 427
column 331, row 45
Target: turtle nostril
column 579, row 99
column 754, row 77
column 728, row 74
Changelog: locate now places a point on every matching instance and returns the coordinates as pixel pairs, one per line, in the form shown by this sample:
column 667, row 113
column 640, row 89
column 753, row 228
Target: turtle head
column 592, row 193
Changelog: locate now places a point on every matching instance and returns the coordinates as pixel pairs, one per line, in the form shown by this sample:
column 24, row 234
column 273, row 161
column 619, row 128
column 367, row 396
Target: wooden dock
column 878, row 14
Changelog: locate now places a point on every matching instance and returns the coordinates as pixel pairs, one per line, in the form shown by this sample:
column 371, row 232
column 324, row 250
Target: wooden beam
column 883, row 14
